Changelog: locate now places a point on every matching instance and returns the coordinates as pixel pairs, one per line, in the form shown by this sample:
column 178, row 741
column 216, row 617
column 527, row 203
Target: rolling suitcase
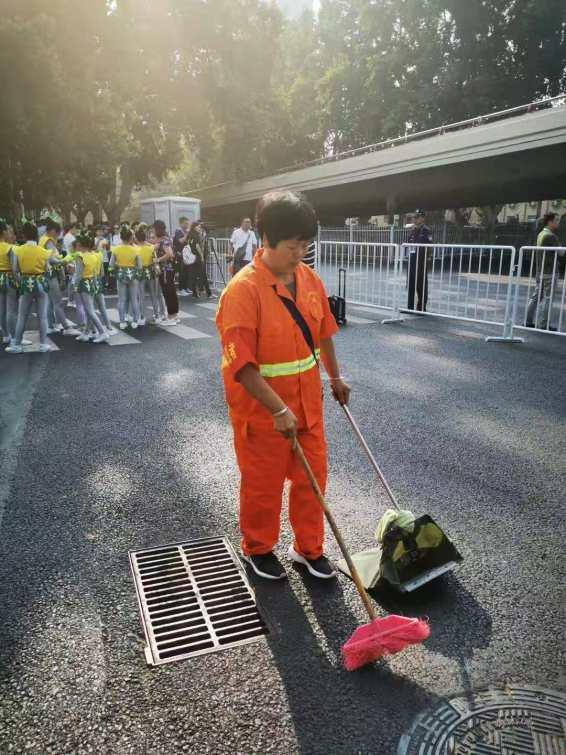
column 338, row 303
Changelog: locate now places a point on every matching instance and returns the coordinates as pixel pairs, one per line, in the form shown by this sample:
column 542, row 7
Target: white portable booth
column 169, row 210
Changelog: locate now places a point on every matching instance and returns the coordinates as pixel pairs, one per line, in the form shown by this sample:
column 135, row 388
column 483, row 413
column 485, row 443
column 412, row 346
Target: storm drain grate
column 194, row 598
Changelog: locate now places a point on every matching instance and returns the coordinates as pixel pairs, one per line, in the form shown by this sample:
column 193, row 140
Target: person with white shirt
column 243, row 245
column 69, row 238
column 115, row 239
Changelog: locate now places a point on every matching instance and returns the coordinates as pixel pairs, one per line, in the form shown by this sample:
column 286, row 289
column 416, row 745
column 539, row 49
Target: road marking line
column 184, row 332
column 33, row 335
column 359, row 320
column 121, row 339
column 208, row 305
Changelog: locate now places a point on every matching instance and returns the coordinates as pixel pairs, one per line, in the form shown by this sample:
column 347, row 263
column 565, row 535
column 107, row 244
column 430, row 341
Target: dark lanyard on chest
column 293, row 310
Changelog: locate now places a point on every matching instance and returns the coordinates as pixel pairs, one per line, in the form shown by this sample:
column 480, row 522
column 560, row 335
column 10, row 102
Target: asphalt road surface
column 110, row 448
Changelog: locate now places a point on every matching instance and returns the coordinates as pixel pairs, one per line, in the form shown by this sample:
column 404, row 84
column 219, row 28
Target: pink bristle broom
column 382, row 636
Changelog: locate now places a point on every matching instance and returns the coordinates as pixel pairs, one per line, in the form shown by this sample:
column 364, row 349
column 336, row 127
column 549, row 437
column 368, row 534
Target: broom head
column 382, row 637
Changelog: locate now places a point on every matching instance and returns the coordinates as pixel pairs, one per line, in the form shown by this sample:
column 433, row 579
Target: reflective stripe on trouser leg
column 24, row 308
column 100, row 302
column 305, row 513
column 93, row 318
column 123, row 293
column 56, row 301
column 42, row 299
column 263, row 457
column 8, row 311
column 12, row 311
column 135, row 299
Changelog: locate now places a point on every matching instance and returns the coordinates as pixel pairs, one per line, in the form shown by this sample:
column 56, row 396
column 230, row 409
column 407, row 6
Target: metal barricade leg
column 396, row 290
column 510, row 305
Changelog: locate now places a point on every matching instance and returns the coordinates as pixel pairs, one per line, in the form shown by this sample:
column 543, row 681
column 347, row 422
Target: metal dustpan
column 409, row 556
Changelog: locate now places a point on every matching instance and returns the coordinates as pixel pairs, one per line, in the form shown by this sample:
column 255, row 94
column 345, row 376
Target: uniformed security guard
column 417, row 272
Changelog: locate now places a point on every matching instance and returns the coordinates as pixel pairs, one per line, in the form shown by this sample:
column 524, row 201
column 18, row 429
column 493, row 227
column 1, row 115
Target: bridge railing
column 531, row 107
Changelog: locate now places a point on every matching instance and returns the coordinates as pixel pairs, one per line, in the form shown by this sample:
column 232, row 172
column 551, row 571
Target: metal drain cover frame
column 194, row 598
column 511, row 720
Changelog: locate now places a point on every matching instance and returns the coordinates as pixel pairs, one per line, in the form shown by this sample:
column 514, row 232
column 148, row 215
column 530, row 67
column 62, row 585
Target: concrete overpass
column 503, row 157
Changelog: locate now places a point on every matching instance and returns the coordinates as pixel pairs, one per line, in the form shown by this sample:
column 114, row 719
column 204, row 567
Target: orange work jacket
column 256, row 328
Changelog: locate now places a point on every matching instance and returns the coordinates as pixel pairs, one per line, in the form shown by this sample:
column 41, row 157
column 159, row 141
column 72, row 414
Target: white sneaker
column 50, row 331
column 101, row 338
column 168, row 322
column 44, row 348
column 128, row 318
column 71, row 332
column 14, row 349
column 111, row 331
column 318, row 567
column 183, row 293
column 25, row 342
column 6, row 339
column 141, row 322
column 60, row 328
column 134, row 325
column 123, row 325
column 83, row 338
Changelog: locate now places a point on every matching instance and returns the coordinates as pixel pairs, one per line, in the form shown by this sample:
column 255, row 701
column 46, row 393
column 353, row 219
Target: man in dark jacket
column 417, row 272
column 547, row 265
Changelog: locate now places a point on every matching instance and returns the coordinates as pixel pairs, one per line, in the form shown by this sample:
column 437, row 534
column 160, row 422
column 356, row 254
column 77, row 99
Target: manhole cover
column 194, row 598
column 514, row 720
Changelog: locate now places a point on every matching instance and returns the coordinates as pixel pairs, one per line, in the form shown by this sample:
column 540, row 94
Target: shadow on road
column 361, row 711
column 460, row 625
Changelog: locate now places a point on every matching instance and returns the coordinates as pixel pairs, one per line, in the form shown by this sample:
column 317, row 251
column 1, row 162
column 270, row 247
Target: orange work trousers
column 266, row 459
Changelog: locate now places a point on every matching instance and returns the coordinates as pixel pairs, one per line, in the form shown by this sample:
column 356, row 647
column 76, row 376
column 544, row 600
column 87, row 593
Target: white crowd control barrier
column 463, row 281
column 540, row 290
column 371, row 271
column 217, row 263
column 491, row 284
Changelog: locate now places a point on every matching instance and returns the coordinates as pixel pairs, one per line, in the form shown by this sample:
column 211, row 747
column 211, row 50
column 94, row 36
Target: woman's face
column 286, row 256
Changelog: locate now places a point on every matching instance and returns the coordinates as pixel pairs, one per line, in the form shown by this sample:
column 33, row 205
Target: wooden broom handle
column 353, row 571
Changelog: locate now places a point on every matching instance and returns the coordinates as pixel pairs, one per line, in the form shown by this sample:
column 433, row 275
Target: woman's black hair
column 549, row 217
column 193, row 232
column 141, row 235
column 84, row 238
column 126, row 233
column 29, row 231
column 283, row 215
column 52, row 225
column 160, row 228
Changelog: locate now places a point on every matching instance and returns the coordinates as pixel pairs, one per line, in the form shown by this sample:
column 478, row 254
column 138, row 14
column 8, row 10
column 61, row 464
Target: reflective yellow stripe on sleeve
column 285, row 369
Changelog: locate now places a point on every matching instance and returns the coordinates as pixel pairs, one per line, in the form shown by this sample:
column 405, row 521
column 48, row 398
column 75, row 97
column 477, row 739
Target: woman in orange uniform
column 275, row 326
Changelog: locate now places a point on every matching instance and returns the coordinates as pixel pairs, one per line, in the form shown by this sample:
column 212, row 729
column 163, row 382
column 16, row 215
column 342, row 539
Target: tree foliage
column 102, row 97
